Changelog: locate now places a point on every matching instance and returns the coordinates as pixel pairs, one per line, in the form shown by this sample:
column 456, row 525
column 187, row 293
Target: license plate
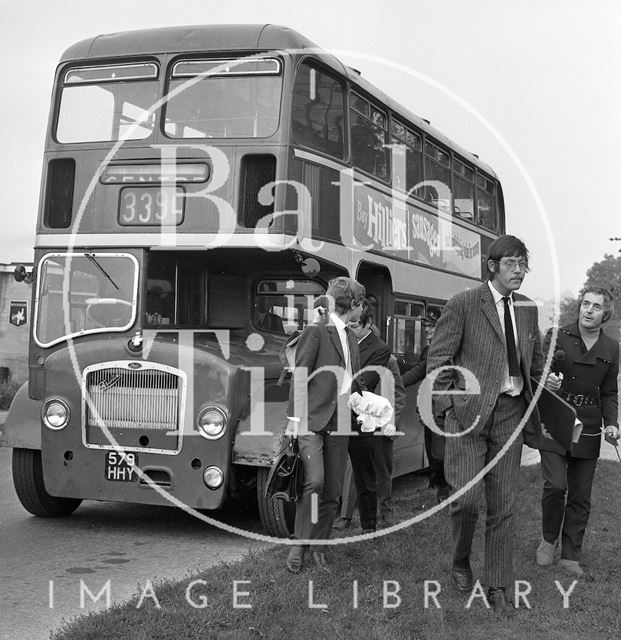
column 120, row 466
column 146, row 206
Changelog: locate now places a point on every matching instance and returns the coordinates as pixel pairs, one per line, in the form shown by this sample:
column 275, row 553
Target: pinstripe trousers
column 465, row 456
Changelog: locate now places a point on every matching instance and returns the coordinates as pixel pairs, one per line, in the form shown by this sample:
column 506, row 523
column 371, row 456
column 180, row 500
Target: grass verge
column 283, row 606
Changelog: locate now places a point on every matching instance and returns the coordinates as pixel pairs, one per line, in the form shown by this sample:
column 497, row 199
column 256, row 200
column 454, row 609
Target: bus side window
column 405, row 334
column 486, row 210
column 317, row 112
column 405, row 341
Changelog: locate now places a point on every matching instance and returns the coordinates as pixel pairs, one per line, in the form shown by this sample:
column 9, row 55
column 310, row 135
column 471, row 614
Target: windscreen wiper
column 92, row 258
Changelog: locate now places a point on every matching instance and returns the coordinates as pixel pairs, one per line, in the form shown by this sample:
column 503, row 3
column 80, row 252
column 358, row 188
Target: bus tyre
column 30, row 488
column 277, row 516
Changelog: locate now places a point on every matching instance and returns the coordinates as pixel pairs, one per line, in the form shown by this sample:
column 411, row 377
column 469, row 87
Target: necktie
column 347, row 353
column 514, row 366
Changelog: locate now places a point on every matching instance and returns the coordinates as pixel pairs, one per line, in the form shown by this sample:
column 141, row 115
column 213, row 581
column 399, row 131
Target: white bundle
column 373, row 411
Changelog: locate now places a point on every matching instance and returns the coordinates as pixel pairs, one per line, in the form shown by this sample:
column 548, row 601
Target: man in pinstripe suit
column 486, row 347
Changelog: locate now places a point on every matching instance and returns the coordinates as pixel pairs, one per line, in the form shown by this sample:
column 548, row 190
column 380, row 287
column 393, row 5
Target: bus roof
column 217, row 37
column 244, row 37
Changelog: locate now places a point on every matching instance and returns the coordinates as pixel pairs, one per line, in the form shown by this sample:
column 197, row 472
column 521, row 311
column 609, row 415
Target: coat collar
column 336, row 340
column 572, row 329
column 597, row 350
column 488, row 305
column 491, row 312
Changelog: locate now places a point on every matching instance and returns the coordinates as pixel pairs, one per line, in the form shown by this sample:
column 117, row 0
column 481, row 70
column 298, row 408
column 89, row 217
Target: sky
column 531, row 87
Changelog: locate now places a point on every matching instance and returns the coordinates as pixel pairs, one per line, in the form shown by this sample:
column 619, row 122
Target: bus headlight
column 213, row 477
column 55, row 414
column 211, row 423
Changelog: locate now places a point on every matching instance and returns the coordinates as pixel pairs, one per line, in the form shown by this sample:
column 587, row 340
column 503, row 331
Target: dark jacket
column 314, row 403
column 376, row 352
column 593, row 373
column 373, row 353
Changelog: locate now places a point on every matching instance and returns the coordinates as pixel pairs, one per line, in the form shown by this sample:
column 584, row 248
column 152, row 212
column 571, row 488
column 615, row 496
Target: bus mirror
column 21, row 275
column 310, row 267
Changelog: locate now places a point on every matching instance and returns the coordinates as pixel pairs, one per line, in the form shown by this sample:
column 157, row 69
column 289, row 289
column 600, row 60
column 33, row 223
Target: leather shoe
column 320, row 560
column 295, row 559
column 497, row 598
column 462, row 577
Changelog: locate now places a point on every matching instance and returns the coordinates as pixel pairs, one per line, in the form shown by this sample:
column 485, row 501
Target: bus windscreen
column 84, row 293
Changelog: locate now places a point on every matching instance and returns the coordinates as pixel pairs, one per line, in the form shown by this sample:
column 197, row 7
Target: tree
column 568, row 310
column 606, row 273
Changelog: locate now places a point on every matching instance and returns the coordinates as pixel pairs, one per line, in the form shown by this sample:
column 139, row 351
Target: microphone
column 557, row 361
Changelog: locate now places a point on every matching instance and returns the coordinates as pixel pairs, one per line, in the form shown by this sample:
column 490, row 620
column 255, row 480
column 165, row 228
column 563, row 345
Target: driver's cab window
column 176, row 293
column 284, row 305
column 159, row 302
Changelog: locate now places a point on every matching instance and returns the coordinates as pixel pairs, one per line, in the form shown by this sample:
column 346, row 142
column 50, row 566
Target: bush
column 7, row 392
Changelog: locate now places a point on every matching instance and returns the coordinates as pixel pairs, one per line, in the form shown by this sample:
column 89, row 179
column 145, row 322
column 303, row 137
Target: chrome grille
column 133, row 399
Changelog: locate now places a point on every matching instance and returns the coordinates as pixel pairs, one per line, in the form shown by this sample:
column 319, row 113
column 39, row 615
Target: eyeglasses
column 514, row 265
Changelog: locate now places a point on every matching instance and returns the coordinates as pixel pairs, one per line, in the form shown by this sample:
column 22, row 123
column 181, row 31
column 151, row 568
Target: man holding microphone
column 585, row 370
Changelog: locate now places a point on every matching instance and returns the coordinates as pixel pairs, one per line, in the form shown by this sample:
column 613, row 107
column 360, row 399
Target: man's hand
column 292, row 428
column 389, row 430
column 611, row 434
column 553, row 381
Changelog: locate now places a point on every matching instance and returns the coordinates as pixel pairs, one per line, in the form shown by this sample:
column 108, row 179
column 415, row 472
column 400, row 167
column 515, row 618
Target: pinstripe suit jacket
column 469, row 335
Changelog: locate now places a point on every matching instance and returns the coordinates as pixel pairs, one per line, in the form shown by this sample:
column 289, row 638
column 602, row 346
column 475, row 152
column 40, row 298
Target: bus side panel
column 22, row 428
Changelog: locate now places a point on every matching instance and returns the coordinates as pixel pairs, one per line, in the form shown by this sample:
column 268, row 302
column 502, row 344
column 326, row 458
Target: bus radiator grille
column 121, row 398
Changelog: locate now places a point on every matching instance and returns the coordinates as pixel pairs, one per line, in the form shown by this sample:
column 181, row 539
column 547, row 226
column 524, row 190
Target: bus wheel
column 277, row 516
column 30, row 489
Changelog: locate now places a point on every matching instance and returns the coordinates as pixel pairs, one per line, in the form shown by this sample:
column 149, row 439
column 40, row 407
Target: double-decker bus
column 200, row 187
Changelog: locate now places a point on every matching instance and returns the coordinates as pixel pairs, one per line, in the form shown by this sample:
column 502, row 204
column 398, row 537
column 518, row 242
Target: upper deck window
column 368, row 137
column 318, row 111
column 412, row 143
column 224, row 98
column 463, row 190
column 486, row 202
column 107, row 103
column 438, row 169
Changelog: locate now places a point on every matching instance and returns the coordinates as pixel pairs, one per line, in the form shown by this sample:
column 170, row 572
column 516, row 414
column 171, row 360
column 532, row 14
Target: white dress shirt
column 340, row 327
column 511, row 385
